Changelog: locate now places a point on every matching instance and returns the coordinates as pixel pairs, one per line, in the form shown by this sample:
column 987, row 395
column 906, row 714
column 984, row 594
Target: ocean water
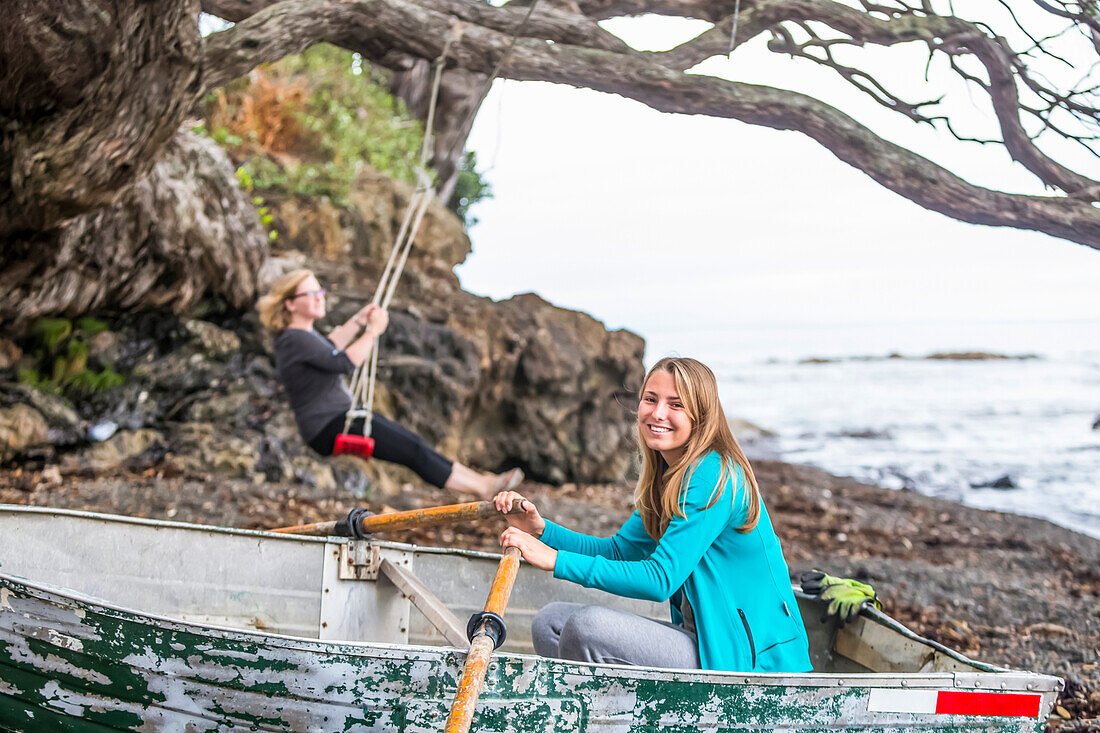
column 945, row 428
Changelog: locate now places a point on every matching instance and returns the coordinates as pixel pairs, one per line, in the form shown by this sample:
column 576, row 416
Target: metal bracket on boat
column 494, row 627
column 359, row 561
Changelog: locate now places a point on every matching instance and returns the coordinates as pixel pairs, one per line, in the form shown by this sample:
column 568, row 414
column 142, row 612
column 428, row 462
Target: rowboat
column 116, row 623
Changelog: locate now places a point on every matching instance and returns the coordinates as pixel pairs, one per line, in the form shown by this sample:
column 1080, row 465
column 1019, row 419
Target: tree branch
column 82, row 150
column 418, row 30
column 951, row 35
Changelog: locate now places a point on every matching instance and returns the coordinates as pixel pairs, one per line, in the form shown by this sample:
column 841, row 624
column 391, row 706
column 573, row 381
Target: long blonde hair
column 660, row 492
column 273, row 312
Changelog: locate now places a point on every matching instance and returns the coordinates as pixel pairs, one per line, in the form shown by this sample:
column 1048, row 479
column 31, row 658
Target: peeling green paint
column 69, row 665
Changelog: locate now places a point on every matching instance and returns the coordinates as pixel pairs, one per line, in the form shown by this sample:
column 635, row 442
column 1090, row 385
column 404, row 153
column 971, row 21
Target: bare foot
column 506, row 481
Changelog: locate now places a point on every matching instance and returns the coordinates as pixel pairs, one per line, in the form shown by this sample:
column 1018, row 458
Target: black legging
column 392, row 443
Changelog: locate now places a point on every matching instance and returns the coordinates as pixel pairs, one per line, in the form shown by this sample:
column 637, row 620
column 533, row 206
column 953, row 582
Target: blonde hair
column 661, row 489
column 273, row 312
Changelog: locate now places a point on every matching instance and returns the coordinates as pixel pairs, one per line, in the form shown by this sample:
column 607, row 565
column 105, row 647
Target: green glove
column 845, row 596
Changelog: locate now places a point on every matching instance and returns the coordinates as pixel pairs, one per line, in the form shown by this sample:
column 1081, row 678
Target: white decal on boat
column 954, row 702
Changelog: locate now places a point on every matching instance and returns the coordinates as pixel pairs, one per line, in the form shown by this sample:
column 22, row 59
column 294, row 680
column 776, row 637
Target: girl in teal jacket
column 700, row 538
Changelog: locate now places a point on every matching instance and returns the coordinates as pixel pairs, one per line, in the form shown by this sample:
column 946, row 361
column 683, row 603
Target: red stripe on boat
column 954, row 702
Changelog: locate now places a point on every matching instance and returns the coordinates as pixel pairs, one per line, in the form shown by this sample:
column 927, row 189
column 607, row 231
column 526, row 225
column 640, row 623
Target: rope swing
column 365, row 376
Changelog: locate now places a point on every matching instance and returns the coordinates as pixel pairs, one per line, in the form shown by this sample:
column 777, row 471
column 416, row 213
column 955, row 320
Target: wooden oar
column 482, row 645
column 393, row 521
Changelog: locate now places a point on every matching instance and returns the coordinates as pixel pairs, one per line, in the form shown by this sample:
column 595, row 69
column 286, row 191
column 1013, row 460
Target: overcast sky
column 650, row 221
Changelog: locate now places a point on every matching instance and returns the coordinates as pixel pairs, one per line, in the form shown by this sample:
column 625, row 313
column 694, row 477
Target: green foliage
column 88, row 382
column 470, row 188
column 61, row 352
column 91, row 326
column 50, row 332
column 32, row 379
column 309, row 123
column 266, row 219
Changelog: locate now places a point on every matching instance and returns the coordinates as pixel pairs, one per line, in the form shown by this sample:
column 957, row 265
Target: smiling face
column 664, row 424
column 306, row 304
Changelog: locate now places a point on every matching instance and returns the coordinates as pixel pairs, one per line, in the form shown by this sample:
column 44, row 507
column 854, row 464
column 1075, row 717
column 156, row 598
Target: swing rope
column 363, row 380
column 736, row 19
column 365, row 376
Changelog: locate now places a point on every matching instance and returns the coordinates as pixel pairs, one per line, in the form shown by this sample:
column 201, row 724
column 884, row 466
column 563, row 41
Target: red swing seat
column 355, row 445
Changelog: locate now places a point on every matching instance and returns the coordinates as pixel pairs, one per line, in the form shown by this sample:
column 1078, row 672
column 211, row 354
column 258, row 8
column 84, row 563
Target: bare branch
column 290, row 26
column 784, row 42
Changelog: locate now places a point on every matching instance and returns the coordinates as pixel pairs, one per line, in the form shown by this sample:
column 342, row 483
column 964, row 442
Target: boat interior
column 357, row 590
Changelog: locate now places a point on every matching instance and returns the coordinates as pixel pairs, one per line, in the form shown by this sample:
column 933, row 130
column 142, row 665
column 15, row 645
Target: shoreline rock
column 936, row 356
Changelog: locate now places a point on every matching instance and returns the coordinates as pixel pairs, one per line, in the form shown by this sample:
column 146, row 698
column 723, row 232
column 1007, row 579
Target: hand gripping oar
column 486, row 633
column 359, row 522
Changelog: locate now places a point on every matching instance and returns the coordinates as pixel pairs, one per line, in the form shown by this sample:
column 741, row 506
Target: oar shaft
column 319, row 529
column 481, row 648
column 429, row 517
column 505, row 578
column 395, row 521
column 473, row 674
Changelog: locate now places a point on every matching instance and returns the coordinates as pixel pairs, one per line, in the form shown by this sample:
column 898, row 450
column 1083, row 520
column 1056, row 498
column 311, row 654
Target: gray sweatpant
column 598, row 634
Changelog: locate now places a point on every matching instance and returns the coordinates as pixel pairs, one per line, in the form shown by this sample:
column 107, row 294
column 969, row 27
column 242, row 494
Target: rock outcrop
column 496, row 384
column 493, row 384
column 21, row 427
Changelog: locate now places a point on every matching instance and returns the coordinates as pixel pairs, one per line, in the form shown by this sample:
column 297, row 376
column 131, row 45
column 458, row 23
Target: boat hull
column 142, row 625
column 68, row 663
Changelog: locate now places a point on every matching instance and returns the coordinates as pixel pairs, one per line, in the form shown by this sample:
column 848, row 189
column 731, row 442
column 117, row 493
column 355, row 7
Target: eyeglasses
column 319, row 293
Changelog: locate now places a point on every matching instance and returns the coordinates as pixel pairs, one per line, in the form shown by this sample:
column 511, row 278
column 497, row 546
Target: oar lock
column 352, row 524
column 488, row 624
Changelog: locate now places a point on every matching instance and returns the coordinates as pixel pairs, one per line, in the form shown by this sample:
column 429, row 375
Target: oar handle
column 394, row 521
column 482, row 646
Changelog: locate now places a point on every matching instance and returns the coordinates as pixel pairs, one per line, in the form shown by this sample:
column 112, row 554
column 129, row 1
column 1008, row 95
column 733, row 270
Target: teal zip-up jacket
column 746, row 616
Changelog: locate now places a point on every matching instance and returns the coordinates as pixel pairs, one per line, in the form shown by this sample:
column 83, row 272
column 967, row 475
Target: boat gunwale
column 1022, row 681
column 265, row 533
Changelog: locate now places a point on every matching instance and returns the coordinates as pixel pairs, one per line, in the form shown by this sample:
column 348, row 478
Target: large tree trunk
column 183, row 231
column 460, row 95
column 90, row 93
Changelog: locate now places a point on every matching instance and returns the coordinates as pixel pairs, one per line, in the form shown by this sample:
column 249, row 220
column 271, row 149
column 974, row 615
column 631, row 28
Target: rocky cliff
column 495, row 384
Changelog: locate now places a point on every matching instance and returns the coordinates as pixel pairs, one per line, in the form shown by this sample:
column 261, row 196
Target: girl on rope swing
column 311, row 368
column 700, row 537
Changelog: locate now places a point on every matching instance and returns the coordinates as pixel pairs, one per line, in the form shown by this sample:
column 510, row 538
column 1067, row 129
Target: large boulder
column 21, row 427
column 113, row 453
column 556, row 395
